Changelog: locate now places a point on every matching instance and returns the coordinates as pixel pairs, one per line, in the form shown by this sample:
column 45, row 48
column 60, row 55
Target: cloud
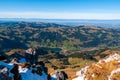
column 57, row 15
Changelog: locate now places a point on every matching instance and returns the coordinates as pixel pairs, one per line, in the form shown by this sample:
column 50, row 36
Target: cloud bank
column 57, row 15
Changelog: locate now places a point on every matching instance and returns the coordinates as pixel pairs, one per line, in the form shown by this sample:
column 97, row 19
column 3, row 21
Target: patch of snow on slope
column 22, row 70
column 113, row 57
column 23, row 60
column 6, row 65
column 82, row 71
column 113, row 72
column 30, row 76
column 26, row 73
column 81, row 74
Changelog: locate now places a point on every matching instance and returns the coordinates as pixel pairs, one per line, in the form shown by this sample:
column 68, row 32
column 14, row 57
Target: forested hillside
column 38, row 34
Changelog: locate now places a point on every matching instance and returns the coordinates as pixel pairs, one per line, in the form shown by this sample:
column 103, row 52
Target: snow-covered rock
column 25, row 73
column 112, row 57
column 82, row 72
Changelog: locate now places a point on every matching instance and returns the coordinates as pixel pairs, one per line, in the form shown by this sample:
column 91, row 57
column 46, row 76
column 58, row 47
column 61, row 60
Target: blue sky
column 63, row 9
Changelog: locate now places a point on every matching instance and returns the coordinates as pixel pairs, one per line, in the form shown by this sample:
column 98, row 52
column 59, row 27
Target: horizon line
column 57, row 18
column 60, row 15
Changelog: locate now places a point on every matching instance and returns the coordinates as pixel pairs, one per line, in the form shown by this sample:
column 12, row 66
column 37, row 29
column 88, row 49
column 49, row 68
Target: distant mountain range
column 39, row 34
column 71, row 22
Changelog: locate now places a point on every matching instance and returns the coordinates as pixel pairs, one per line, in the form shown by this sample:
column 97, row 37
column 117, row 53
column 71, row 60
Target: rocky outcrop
column 25, row 71
column 4, row 73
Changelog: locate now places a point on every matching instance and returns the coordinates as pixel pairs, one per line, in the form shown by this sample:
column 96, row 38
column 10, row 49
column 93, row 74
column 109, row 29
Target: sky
column 60, row 9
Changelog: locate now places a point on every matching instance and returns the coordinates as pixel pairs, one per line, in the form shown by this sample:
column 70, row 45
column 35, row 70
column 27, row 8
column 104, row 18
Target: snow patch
column 113, row 72
column 26, row 73
column 113, row 57
column 81, row 74
column 22, row 60
column 6, row 65
column 93, row 75
column 22, row 70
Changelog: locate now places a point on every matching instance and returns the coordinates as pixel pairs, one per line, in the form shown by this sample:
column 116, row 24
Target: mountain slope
column 106, row 69
column 26, row 73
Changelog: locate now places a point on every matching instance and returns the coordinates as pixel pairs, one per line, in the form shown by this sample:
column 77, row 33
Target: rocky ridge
column 106, row 69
